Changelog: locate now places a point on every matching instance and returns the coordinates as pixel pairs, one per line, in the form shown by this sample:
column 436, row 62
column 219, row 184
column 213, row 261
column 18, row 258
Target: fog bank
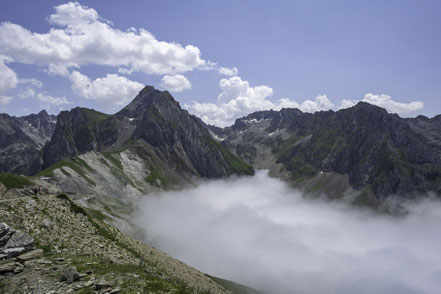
column 259, row 232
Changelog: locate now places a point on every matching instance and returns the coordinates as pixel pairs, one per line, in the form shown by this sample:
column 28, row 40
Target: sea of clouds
column 260, row 232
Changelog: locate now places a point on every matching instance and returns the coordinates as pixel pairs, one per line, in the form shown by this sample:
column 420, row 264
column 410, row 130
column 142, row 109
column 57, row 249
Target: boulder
column 70, row 275
column 8, row 267
column 18, row 243
column 5, row 234
column 30, row 255
column 47, row 224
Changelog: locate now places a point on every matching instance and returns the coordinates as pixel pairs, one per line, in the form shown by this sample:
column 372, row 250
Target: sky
column 221, row 59
column 260, row 232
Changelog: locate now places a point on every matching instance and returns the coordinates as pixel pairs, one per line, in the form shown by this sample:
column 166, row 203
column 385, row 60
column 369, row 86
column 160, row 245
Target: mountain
column 21, row 139
column 363, row 148
column 153, row 126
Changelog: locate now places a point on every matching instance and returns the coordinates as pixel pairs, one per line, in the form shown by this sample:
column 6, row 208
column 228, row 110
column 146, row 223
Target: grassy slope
column 75, row 163
column 14, row 181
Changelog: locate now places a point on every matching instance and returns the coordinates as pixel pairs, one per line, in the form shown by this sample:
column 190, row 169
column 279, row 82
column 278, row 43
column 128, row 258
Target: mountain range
column 363, row 149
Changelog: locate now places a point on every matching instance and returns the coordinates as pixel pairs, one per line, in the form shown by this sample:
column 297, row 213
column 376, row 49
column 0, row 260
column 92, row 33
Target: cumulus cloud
column 85, row 38
column 387, row 103
column 8, row 80
column 113, row 90
column 228, row 71
column 51, row 100
column 26, row 93
column 176, row 83
column 238, row 99
column 260, row 232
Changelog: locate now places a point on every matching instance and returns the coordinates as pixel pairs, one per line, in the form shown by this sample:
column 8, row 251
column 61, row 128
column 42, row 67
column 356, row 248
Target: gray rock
column 8, row 267
column 5, row 234
column 11, row 252
column 103, row 284
column 30, row 255
column 19, row 240
column 69, row 275
column 47, row 224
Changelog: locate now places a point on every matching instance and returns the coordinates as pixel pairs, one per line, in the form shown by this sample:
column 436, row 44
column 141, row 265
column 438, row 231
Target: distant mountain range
column 363, row 149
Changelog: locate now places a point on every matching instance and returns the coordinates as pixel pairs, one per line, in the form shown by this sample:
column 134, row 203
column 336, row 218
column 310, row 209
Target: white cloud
column 28, row 92
column 176, row 83
column 320, row 103
column 347, row 103
column 33, row 82
column 51, row 100
column 238, row 99
column 228, row 71
column 8, row 80
column 85, row 38
column 113, row 90
column 260, row 232
column 386, row 102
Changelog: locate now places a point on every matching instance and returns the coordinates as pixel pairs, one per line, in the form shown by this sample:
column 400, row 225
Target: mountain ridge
column 378, row 151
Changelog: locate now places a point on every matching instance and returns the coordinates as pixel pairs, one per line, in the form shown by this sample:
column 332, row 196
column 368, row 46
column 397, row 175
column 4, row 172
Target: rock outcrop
column 16, row 247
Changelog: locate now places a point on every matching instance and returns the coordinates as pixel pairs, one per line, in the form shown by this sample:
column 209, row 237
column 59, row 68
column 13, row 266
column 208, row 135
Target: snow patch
column 252, row 121
column 218, row 138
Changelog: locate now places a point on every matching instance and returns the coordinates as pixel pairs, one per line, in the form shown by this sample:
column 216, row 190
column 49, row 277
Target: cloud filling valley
column 260, row 232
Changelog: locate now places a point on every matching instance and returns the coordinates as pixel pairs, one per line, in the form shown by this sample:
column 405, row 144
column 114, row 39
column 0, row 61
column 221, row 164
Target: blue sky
column 221, row 59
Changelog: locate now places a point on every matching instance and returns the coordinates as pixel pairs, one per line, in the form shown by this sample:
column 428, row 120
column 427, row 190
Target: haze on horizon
column 260, row 232
column 219, row 62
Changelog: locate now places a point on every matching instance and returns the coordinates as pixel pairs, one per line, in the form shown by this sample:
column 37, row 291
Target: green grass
column 239, row 165
column 144, row 282
column 96, row 214
column 155, row 174
column 110, row 156
column 11, row 181
column 117, row 169
column 94, row 116
column 75, row 163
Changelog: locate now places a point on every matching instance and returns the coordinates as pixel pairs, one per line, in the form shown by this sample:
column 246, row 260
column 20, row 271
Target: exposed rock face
column 21, row 139
column 43, row 123
column 179, row 139
column 14, row 242
column 380, row 151
column 77, row 131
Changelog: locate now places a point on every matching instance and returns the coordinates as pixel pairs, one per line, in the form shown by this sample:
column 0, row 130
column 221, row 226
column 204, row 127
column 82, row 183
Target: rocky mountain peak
column 147, row 97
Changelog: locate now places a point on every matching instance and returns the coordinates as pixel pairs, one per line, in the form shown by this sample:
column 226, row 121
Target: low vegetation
column 11, row 181
column 75, row 163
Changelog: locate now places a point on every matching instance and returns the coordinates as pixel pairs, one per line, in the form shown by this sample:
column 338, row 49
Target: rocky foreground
column 49, row 244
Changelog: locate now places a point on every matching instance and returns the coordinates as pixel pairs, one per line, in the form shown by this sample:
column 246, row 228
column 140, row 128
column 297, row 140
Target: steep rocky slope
column 157, row 125
column 362, row 148
column 78, row 251
column 21, row 139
